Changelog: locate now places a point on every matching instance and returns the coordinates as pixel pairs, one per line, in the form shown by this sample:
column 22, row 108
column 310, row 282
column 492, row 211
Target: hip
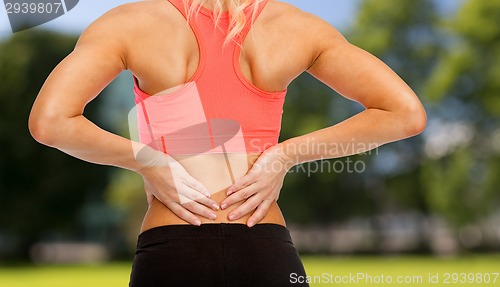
column 160, row 215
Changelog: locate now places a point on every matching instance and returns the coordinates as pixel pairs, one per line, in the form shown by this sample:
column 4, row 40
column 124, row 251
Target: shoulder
column 295, row 17
column 307, row 25
column 120, row 28
column 129, row 19
column 296, row 25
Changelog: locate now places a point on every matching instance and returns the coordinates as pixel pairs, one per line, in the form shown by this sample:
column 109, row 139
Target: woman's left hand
column 259, row 187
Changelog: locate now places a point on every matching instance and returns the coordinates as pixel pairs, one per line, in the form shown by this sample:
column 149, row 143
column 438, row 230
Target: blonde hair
column 235, row 8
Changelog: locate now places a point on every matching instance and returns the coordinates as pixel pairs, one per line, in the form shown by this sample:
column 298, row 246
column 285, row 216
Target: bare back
column 163, row 53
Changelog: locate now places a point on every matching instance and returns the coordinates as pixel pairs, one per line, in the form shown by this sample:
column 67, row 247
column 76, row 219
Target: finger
column 183, row 213
column 208, row 203
column 259, row 214
column 199, row 209
column 244, row 209
column 185, row 194
column 183, row 176
column 190, row 194
column 242, row 182
column 239, row 195
column 196, row 185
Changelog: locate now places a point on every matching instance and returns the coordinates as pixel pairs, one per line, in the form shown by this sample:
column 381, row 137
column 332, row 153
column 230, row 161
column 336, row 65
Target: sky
column 337, row 12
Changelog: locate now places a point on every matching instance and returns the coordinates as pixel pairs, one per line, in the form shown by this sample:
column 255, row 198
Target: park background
column 417, row 205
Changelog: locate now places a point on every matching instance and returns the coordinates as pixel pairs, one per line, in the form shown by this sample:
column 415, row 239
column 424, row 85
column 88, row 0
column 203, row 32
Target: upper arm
column 358, row 75
column 98, row 57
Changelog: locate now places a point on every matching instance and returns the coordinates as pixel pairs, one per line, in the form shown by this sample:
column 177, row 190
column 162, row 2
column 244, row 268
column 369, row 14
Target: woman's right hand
column 173, row 186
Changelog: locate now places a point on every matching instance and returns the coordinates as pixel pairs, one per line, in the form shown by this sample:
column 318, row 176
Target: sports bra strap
column 180, row 5
column 248, row 25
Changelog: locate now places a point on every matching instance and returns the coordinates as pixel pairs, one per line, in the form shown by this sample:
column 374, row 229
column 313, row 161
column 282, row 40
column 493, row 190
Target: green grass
column 324, row 270
column 66, row 276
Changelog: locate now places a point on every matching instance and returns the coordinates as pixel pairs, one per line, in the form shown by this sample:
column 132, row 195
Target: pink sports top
column 218, row 110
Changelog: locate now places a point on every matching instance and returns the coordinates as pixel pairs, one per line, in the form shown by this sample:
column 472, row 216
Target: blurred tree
column 460, row 174
column 452, row 191
column 42, row 189
column 404, row 35
column 453, row 66
column 470, row 66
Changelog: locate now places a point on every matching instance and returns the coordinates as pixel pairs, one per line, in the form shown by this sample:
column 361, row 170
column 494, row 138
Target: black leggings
column 216, row 255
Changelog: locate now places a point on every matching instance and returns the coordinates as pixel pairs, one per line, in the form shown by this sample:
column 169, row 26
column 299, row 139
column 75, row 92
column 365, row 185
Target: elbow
column 41, row 128
column 415, row 119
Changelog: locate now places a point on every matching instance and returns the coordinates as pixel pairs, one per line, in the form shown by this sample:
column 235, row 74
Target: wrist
column 284, row 158
column 148, row 159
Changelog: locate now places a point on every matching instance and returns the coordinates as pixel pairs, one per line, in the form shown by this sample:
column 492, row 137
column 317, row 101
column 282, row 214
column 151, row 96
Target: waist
column 216, row 172
column 159, row 215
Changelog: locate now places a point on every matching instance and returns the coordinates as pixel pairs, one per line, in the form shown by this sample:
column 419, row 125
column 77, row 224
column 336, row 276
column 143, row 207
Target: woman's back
column 162, row 52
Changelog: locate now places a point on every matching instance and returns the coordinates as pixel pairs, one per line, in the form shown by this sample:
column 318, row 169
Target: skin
column 152, row 40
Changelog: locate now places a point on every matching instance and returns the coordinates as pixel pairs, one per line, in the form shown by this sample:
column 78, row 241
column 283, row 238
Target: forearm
column 79, row 137
column 365, row 131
